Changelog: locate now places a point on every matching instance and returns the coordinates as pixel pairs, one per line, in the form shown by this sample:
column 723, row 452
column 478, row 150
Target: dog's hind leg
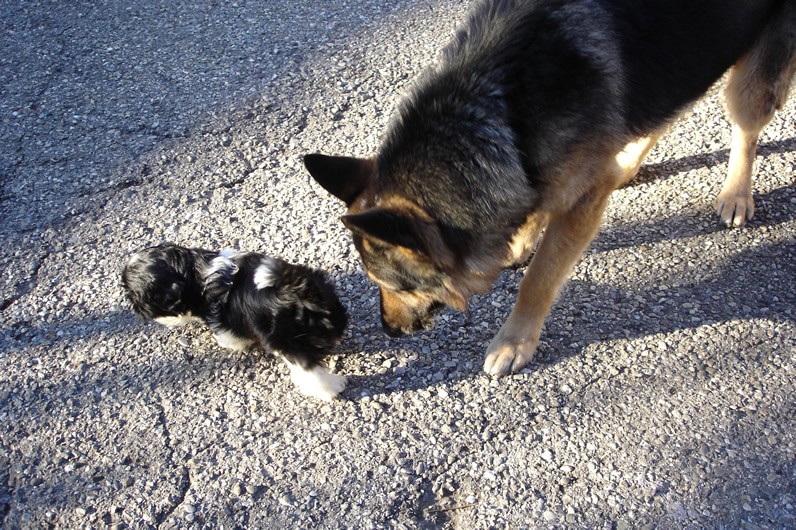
column 629, row 159
column 758, row 86
column 565, row 239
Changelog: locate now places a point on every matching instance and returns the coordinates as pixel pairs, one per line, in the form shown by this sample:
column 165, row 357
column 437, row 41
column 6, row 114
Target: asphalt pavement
column 662, row 395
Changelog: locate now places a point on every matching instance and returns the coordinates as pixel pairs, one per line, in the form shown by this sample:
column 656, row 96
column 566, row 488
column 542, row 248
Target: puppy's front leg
column 314, row 381
column 566, row 238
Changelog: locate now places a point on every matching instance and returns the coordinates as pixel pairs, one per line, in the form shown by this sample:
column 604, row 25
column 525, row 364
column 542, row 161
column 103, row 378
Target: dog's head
column 403, row 248
column 158, row 281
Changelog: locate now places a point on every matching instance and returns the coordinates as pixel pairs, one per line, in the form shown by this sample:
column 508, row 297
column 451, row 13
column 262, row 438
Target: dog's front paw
column 227, row 339
column 509, row 351
column 317, row 382
column 735, row 209
column 504, row 358
column 331, row 386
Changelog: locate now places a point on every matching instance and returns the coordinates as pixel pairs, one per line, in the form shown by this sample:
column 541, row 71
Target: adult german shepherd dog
column 535, row 113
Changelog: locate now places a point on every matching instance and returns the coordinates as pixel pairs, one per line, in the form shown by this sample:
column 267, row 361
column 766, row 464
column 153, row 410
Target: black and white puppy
column 245, row 298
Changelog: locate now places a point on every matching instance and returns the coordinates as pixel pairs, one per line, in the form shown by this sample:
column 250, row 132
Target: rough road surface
column 663, row 395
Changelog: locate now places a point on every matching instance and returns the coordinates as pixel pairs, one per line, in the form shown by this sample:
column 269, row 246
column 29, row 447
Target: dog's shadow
column 752, row 284
column 771, row 209
column 748, row 285
column 671, row 167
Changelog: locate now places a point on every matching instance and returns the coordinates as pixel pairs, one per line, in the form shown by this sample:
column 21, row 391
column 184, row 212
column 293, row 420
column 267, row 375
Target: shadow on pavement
column 734, row 292
column 670, row 167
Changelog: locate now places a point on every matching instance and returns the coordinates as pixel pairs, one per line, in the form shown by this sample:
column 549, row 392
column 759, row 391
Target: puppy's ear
column 344, row 177
column 403, row 229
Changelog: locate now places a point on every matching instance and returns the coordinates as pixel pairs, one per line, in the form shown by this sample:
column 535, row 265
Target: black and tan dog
column 536, row 112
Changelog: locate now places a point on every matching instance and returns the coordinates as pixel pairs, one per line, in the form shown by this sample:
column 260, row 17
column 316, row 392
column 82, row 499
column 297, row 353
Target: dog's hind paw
column 504, row 357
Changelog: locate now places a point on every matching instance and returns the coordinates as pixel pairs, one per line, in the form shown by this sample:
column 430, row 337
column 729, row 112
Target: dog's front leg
column 565, row 239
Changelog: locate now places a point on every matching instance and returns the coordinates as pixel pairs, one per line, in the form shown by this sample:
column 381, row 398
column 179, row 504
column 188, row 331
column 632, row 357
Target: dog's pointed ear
column 342, row 176
column 403, row 229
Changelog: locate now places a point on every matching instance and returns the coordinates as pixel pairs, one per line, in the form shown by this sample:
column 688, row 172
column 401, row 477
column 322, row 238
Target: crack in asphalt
column 183, row 488
column 248, row 169
column 5, row 489
column 185, row 483
column 25, row 286
column 425, row 503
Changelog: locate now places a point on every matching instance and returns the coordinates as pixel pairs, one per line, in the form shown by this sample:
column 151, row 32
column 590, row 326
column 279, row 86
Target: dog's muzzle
column 422, row 322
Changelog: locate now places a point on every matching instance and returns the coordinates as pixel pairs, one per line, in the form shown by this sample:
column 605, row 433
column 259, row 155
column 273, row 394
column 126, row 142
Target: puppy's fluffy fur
column 245, row 298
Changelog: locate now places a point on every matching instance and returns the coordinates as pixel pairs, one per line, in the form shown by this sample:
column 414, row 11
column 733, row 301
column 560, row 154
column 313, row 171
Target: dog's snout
column 419, row 324
column 407, row 314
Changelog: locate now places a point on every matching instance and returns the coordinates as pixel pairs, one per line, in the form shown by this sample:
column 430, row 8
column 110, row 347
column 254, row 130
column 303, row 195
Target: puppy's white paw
column 231, row 341
column 317, row 382
column 176, row 320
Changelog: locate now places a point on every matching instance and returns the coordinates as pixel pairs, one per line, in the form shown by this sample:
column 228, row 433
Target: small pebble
column 284, row 500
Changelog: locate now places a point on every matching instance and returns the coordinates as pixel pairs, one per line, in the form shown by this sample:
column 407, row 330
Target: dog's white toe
column 735, row 209
column 505, row 356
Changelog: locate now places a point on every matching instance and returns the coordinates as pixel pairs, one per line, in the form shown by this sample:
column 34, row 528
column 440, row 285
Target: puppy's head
column 158, row 281
column 403, row 249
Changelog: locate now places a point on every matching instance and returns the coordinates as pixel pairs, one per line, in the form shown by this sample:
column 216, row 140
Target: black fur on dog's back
column 298, row 314
column 522, row 81
column 669, row 51
column 673, row 50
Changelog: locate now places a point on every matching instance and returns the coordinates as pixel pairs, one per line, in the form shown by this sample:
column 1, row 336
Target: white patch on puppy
column 227, row 339
column 266, row 274
column 316, row 382
column 221, row 263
